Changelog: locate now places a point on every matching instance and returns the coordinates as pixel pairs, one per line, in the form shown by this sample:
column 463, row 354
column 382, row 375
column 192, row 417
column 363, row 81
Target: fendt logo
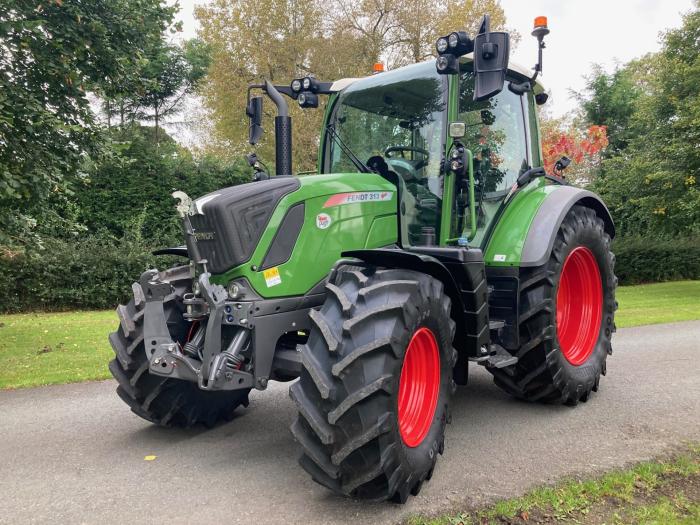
column 358, row 197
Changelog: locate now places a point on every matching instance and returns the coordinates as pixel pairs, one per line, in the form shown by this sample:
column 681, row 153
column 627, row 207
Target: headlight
column 453, row 40
column 296, row 85
column 441, row 45
column 306, row 83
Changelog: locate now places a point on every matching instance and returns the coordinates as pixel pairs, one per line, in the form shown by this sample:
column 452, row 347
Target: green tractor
column 431, row 238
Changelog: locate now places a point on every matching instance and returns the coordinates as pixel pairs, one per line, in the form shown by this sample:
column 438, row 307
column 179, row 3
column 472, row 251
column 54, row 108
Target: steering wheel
column 404, row 149
column 410, row 166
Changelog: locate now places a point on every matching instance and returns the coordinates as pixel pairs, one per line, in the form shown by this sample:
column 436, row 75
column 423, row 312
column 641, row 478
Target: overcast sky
column 584, row 32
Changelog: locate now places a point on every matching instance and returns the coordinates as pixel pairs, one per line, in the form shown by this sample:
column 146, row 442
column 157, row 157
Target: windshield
column 398, row 116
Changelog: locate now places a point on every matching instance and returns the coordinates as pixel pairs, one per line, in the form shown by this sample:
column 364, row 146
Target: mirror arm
column 530, row 174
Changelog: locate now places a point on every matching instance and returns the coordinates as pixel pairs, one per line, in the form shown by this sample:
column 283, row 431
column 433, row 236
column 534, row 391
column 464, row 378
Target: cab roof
column 513, row 67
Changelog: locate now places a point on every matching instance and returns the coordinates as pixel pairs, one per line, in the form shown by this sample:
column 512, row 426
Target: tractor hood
column 297, row 225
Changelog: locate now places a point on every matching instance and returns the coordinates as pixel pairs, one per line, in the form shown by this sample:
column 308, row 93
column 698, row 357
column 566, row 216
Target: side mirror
column 491, row 51
column 255, row 112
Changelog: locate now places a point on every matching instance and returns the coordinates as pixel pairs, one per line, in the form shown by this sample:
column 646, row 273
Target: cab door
column 497, row 132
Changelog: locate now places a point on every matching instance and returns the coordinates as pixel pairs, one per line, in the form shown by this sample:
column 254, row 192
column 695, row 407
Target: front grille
column 233, row 220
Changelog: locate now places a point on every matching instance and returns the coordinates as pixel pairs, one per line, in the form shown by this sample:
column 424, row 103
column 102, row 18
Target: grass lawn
column 47, row 348
column 658, row 303
column 664, row 492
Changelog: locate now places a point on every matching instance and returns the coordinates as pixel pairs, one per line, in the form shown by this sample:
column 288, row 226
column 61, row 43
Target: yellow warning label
column 272, row 276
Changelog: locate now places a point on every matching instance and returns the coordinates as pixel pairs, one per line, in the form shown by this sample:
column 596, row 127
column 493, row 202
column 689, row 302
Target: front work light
column 307, row 99
column 449, row 49
column 447, row 64
column 309, row 84
column 296, row 85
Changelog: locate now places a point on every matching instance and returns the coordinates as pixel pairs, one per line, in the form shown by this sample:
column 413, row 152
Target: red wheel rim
column 419, row 387
column 579, row 305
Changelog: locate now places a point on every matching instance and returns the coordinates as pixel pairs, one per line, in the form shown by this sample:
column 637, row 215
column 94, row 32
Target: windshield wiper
column 353, row 158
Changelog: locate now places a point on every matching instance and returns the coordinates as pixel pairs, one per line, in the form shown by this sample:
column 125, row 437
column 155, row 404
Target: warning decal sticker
column 358, row 197
column 272, row 276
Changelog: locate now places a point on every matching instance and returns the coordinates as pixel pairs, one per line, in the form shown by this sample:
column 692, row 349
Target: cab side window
column 496, row 135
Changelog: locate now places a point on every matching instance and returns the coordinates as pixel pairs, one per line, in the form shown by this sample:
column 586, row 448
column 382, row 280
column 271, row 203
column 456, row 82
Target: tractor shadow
column 257, row 445
column 482, row 393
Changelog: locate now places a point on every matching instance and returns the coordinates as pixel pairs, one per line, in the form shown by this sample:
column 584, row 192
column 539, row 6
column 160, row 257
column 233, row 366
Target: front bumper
column 257, row 326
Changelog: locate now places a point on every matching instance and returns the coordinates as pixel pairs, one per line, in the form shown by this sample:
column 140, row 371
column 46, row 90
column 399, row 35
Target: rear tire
column 360, row 433
column 566, row 324
column 165, row 402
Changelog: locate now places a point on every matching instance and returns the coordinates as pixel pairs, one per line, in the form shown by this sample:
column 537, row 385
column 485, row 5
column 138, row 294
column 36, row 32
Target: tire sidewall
column 422, row 458
column 592, row 238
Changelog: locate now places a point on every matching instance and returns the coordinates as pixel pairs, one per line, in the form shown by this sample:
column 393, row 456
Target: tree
column 403, row 32
column 52, row 53
column 169, row 74
column 336, row 39
column 272, row 39
column 583, row 147
column 610, row 100
column 652, row 186
column 129, row 190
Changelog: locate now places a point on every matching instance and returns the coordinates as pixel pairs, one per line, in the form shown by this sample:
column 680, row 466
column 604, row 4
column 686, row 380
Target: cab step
column 496, row 324
column 498, row 357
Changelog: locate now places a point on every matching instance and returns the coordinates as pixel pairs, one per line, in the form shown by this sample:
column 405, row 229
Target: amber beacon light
column 540, row 29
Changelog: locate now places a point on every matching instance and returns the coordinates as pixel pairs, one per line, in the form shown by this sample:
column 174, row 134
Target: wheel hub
column 579, row 305
column 419, row 387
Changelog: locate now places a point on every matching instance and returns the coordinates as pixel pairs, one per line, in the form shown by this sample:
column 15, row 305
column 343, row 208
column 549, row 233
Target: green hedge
column 643, row 260
column 86, row 274
column 97, row 273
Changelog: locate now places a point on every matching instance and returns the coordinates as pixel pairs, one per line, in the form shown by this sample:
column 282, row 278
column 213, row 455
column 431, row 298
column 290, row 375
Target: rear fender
column 545, row 225
column 525, row 230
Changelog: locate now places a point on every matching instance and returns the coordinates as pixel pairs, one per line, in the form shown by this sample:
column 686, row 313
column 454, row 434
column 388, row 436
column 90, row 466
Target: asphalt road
column 75, row 453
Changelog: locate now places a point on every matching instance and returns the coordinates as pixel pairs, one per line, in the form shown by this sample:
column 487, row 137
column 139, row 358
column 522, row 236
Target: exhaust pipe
column 283, row 131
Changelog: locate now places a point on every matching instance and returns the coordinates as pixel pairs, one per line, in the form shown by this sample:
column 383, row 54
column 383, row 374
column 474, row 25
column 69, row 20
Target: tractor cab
column 457, row 135
column 408, row 117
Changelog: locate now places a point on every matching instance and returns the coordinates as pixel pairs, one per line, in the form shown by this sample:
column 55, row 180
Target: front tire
column 373, row 396
column 567, row 311
column 165, row 402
